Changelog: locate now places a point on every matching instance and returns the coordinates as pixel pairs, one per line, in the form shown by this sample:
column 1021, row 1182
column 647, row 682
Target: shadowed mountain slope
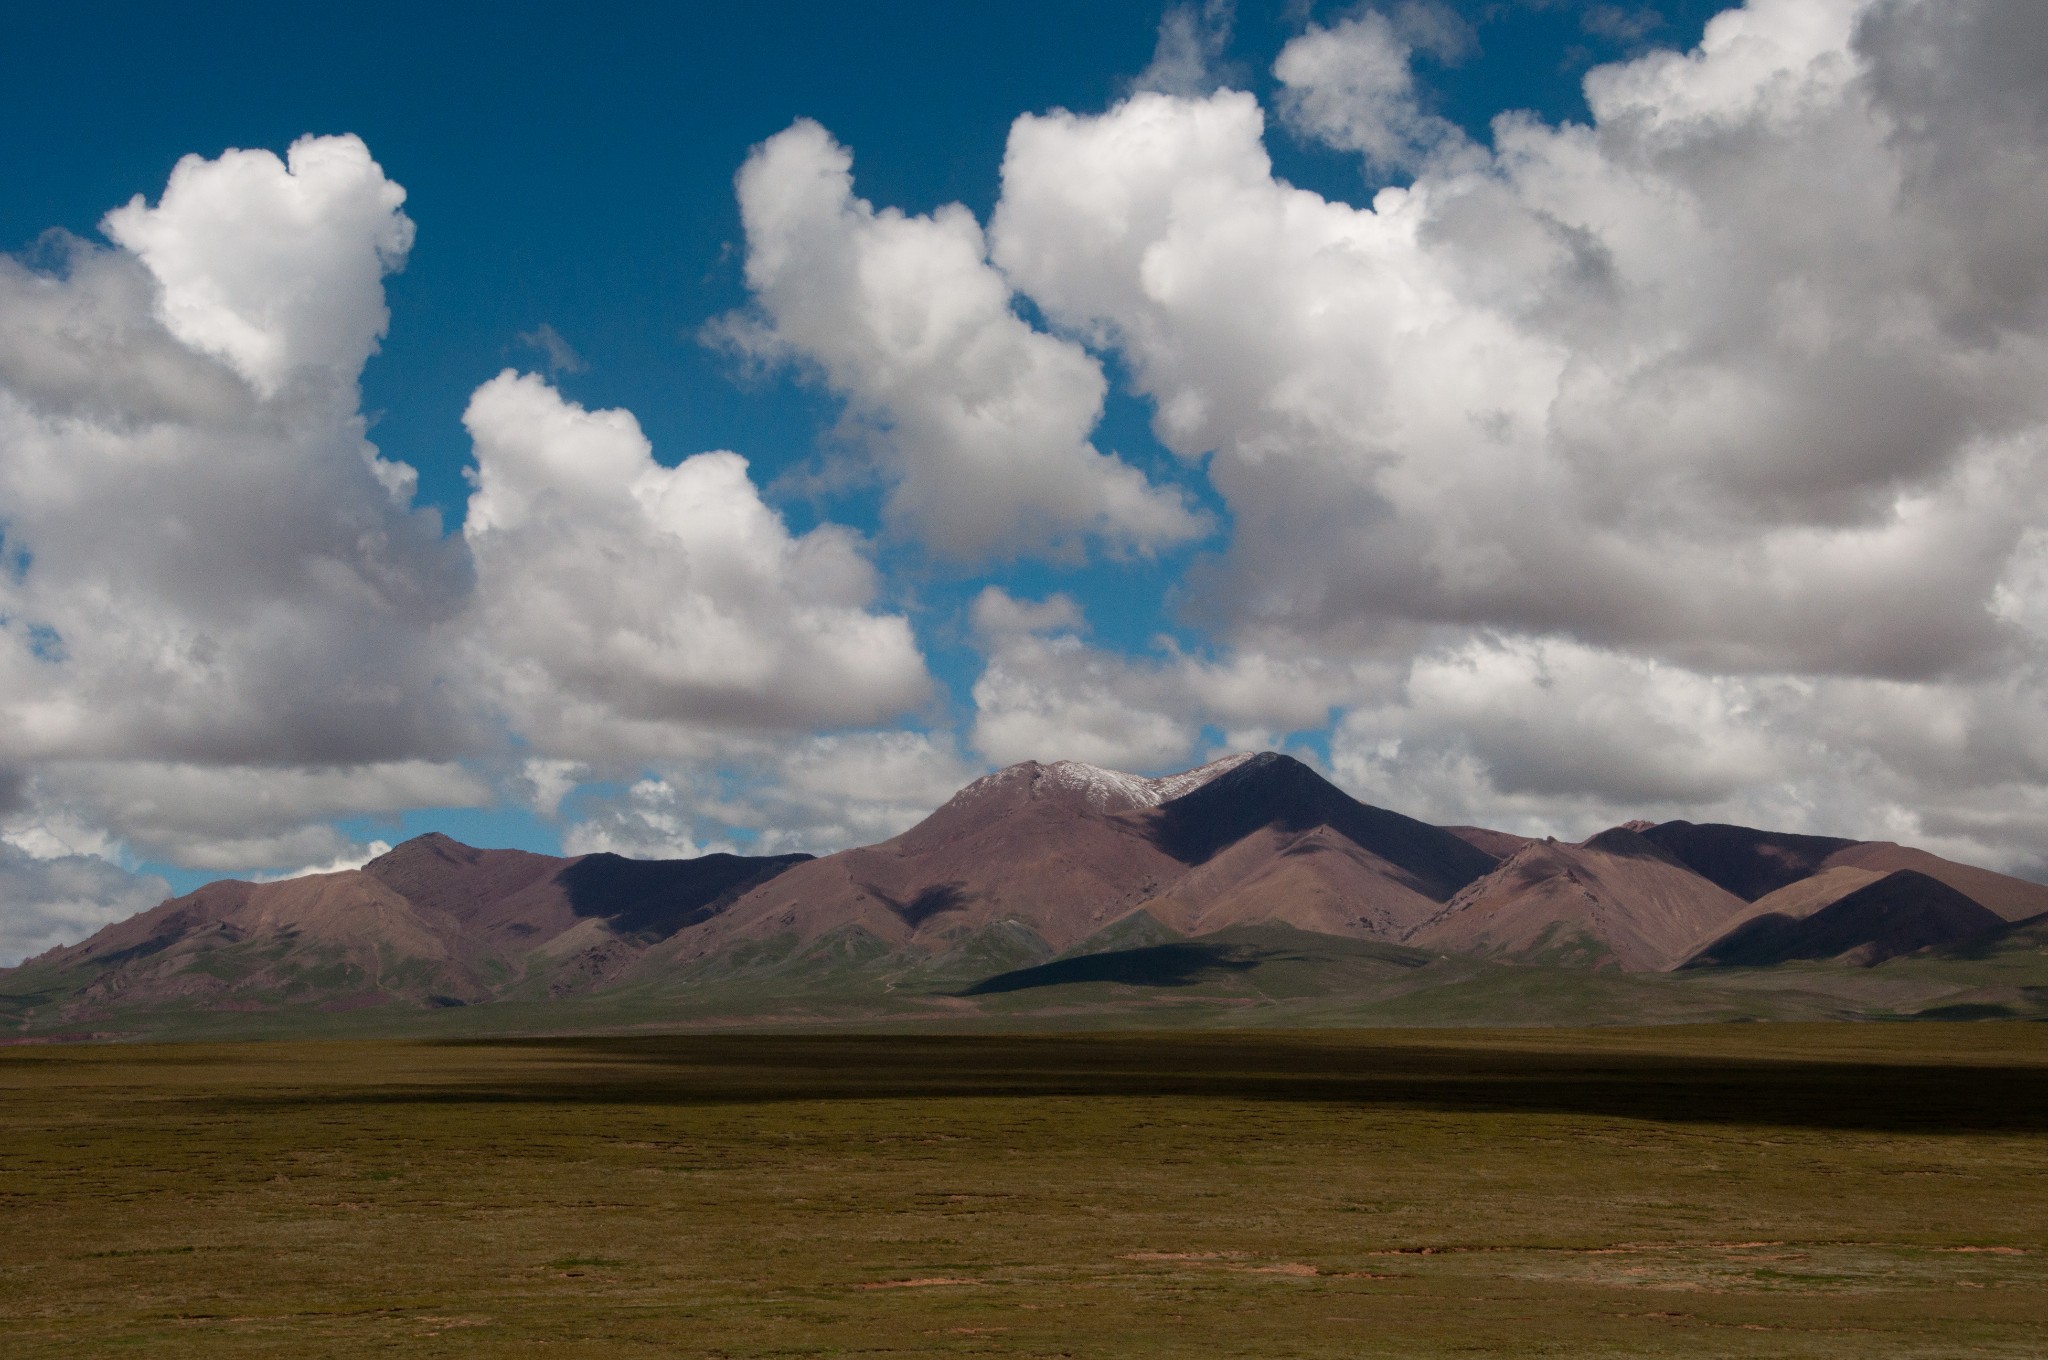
column 1753, row 864
column 1809, row 895
column 2014, row 899
column 432, row 921
column 1168, row 884
column 1064, row 850
column 1742, row 860
column 440, row 874
column 1499, row 844
column 1271, row 840
column 1618, row 900
column 1046, row 846
column 1316, row 879
column 1272, row 792
column 515, row 895
column 1898, row 914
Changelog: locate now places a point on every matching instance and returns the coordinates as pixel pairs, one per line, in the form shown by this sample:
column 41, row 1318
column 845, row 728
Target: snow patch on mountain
column 1115, row 791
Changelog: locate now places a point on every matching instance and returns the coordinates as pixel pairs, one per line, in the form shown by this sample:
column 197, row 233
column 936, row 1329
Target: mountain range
column 1038, row 876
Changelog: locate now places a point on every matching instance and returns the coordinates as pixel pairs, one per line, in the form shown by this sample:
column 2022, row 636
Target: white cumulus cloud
column 815, row 795
column 1352, row 86
column 1691, row 381
column 232, row 817
column 1046, row 693
column 211, row 577
column 275, row 266
column 353, row 858
column 1727, row 405
column 224, row 626
column 627, row 608
column 1689, row 461
column 980, row 422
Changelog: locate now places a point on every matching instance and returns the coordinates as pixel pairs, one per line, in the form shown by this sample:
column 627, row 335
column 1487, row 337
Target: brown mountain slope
column 330, row 938
column 1617, row 900
column 442, row 875
column 1270, row 840
column 1499, row 844
column 1802, row 898
column 1045, row 845
column 1031, row 859
column 1809, row 895
column 1743, row 860
column 1316, row 879
column 2014, row 899
column 1753, row 864
column 1900, row 913
column 1067, row 849
column 513, row 899
column 1273, row 792
column 433, row 920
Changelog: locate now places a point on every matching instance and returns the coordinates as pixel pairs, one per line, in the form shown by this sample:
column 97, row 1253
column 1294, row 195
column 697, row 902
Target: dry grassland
column 1728, row 1191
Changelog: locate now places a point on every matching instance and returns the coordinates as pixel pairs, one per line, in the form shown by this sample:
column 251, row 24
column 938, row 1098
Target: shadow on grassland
column 1903, row 1095
column 1159, row 965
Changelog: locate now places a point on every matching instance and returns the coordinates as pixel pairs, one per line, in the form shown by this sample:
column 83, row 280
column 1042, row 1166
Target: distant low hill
column 1044, row 884
column 434, row 923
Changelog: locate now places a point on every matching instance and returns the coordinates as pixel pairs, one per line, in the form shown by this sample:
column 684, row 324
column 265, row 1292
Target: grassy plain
column 1733, row 1190
column 1264, row 977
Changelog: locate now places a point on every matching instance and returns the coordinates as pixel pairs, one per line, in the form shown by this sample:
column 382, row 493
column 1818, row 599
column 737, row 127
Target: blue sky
column 1760, row 593
column 579, row 174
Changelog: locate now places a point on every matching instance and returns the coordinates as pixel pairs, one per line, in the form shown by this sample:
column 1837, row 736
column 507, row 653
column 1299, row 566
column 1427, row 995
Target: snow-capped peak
column 1103, row 790
column 1115, row 791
